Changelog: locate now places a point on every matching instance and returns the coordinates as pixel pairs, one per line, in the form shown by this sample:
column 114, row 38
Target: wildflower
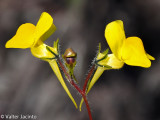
column 128, row 50
column 124, row 50
column 31, row 36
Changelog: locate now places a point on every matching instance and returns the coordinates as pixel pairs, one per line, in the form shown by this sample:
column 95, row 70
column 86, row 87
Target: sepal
column 57, row 72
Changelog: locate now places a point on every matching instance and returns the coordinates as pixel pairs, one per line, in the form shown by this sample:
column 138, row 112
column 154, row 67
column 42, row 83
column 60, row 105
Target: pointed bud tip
column 69, row 53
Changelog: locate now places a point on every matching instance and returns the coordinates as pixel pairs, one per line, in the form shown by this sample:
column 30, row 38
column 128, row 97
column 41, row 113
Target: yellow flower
column 31, row 36
column 124, row 50
column 128, row 50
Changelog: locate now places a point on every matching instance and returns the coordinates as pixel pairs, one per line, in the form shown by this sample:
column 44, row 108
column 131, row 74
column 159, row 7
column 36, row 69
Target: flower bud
column 70, row 56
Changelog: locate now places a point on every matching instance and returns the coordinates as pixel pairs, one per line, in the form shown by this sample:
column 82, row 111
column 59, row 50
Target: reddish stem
column 84, row 97
column 87, row 106
column 76, row 87
column 64, row 70
column 88, row 77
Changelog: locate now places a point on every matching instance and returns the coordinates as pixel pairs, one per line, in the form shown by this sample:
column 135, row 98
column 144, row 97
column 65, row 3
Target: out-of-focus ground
column 29, row 86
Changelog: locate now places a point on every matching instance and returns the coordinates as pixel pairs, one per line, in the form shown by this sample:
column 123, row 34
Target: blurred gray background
column 29, row 86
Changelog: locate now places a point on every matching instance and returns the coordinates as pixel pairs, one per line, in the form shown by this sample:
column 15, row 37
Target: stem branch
column 76, row 86
column 88, row 77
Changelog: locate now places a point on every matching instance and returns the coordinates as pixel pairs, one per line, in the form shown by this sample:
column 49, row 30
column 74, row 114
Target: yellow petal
column 80, row 105
column 114, row 62
column 96, row 76
column 57, row 72
column 150, row 57
column 44, row 28
column 23, row 37
column 133, row 53
column 115, row 36
column 42, row 52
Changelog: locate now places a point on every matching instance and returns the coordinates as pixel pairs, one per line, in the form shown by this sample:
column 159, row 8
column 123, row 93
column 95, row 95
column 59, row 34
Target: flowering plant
column 124, row 50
